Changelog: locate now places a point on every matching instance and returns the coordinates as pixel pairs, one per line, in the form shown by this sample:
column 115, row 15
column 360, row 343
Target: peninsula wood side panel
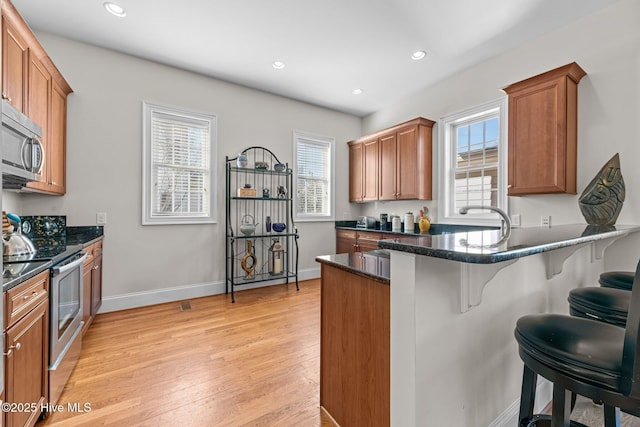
column 354, row 348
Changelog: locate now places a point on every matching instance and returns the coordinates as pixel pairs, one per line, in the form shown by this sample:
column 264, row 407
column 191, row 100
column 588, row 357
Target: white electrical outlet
column 515, row 220
column 101, row 218
column 545, row 221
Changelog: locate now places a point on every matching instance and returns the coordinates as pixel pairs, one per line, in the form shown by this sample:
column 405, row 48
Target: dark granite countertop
column 84, row 235
column 433, row 230
column 372, row 265
column 485, row 247
column 14, row 274
column 53, row 242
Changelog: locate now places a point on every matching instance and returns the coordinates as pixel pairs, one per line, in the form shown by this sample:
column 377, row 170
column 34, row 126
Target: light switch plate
column 101, row 218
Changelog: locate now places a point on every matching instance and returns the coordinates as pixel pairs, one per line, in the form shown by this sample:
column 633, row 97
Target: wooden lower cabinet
column 368, row 241
column 354, row 348
column 346, row 241
column 349, row 241
column 27, row 350
column 91, row 284
column 96, row 283
column 87, row 269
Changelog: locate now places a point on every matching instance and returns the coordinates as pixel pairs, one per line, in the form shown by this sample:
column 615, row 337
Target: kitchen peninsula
column 453, row 303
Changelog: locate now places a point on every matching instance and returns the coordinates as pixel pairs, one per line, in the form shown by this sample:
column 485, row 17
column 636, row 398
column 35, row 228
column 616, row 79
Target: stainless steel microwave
column 22, row 151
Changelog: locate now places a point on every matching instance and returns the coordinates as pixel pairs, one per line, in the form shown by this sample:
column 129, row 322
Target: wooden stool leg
column 527, row 396
column 561, row 415
column 611, row 416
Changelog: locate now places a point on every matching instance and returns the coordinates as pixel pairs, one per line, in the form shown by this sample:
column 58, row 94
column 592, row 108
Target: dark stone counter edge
column 501, row 256
column 21, row 279
column 433, row 230
column 330, row 261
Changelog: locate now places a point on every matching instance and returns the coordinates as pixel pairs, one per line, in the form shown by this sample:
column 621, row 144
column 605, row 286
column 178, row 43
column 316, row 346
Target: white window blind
column 178, row 171
column 313, row 177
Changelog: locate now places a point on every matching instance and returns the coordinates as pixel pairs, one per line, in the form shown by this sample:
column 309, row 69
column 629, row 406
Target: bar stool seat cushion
column 587, row 350
column 617, row 279
column 607, row 304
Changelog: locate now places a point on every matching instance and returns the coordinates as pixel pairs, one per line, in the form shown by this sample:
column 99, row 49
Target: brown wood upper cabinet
column 32, row 83
column 14, row 66
column 543, row 128
column 392, row 164
column 363, row 170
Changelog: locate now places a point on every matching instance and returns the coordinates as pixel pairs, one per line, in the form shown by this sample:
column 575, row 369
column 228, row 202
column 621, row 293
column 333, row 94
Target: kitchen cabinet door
column 543, row 123
column 363, row 171
column 356, row 172
column 57, row 140
column 14, row 66
column 39, row 89
column 87, row 269
column 346, row 241
column 96, row 282
column 368, row 241
column 370, row 178
column 56, row 161
column 26, row 365
column 388, row 175
column 407, row 164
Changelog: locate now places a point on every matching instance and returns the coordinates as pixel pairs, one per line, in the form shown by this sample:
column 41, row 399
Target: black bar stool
column 604, row 304
column 617, row 280
column 587, row 357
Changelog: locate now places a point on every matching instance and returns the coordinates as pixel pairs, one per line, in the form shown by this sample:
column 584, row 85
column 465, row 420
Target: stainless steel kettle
column 14, row 242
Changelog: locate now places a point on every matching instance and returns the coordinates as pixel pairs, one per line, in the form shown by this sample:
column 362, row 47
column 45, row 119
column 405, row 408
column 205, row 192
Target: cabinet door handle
column 4, row 96
column 15, row 347
column 33, row 295
column 95, row 267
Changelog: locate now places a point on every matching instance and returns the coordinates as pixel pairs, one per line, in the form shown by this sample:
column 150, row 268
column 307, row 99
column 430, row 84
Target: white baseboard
column 179, row 293
column 509, row 418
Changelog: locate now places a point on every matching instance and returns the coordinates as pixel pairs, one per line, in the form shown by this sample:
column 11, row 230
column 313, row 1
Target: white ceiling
column 330, row 47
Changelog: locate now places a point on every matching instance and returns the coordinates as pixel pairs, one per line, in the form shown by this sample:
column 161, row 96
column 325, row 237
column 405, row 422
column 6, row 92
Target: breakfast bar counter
column 454, row 300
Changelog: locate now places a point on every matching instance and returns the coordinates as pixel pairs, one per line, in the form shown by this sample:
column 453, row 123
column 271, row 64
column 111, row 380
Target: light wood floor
column 255, row 362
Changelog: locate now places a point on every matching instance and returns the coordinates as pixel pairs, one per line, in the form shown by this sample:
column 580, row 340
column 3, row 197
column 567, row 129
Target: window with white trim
column 473, row 163
column 179, row 158
column 313, row 177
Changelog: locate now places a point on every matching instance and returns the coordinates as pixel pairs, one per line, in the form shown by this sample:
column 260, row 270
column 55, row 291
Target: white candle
column 277, row 266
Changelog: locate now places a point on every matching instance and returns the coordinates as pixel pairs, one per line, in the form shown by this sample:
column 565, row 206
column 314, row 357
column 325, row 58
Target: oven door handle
column 71, row 265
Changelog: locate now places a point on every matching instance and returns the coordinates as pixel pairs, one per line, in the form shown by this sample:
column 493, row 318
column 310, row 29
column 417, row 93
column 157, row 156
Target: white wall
column 607, row 46
column 104, row 163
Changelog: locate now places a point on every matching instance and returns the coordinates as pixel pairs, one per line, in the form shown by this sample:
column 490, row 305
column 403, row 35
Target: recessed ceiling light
column 418, row 54
column 278, row 65
column 115, row 9
column 357, row 91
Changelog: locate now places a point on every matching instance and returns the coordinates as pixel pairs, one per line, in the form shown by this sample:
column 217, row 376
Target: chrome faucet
column 505, row 227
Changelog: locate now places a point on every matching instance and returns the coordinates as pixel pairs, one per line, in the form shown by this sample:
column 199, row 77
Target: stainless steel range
column 65, row 342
